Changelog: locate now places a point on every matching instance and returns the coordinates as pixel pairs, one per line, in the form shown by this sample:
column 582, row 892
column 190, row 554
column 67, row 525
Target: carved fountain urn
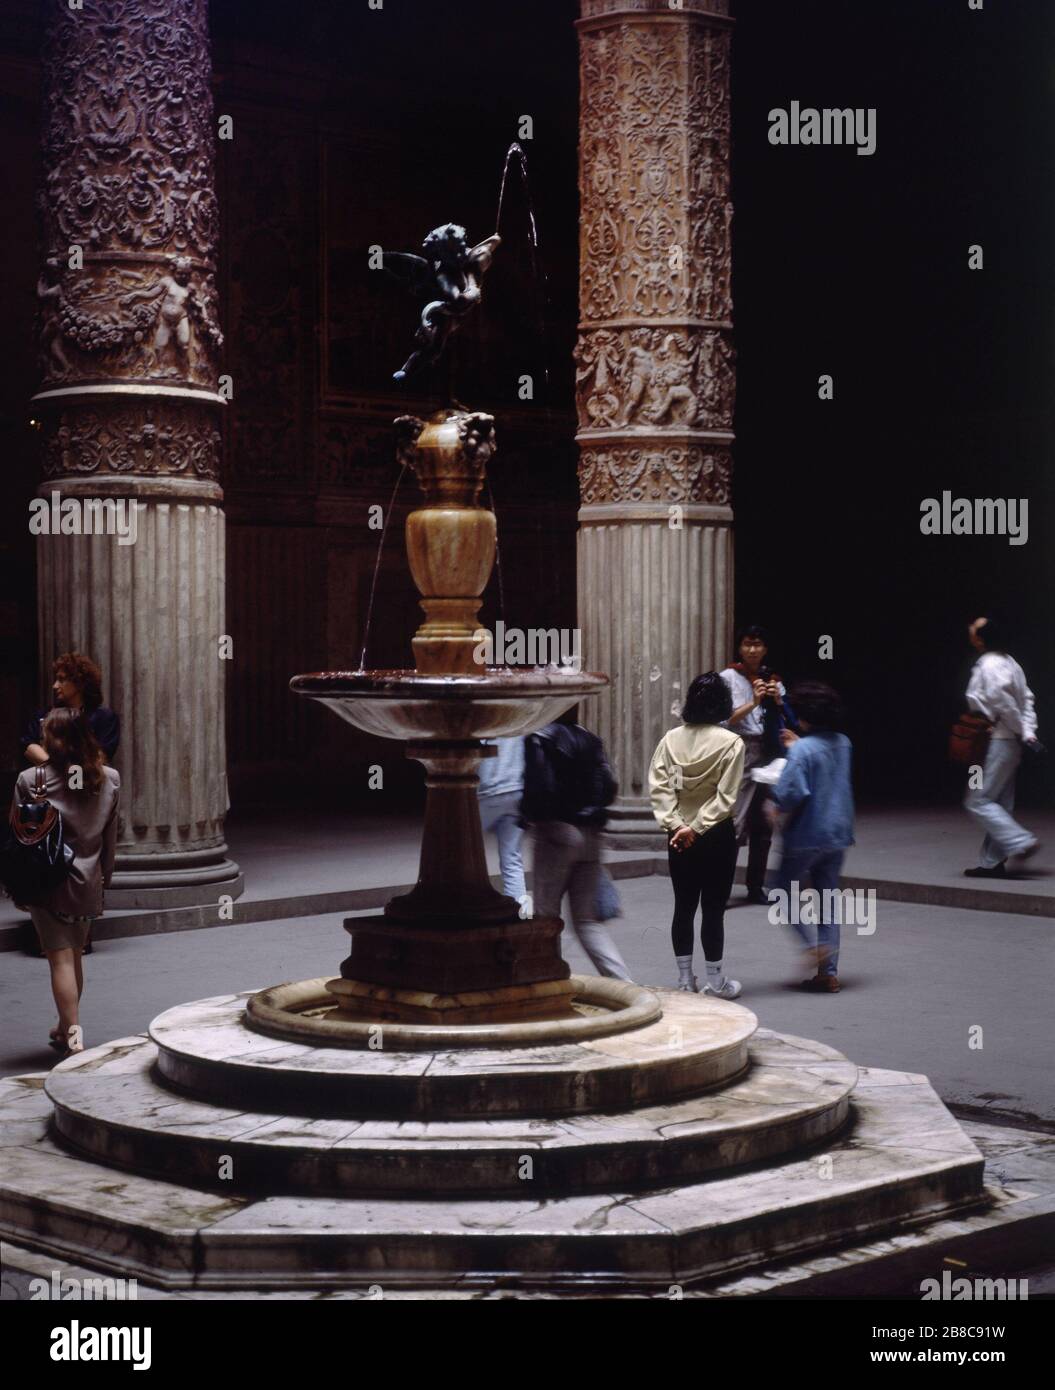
column 450, row 538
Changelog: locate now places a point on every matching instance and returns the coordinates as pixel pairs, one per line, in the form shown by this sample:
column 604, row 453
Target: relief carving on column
column 656, row 472
column 655, row 354
column 654, row 172
column 590, row 9
column 649, row 378
column 128, row 159
column 154, row 438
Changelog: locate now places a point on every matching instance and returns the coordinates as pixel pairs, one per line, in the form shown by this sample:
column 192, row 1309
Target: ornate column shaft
column 655, row 379
column 129, row 346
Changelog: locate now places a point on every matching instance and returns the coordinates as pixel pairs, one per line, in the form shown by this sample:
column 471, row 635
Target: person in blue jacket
column 816, row 796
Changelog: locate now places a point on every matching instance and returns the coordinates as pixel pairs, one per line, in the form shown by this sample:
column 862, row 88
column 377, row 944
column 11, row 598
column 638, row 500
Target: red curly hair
column 85, row 675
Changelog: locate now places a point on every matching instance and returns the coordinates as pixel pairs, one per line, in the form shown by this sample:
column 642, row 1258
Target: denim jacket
column 815, row 788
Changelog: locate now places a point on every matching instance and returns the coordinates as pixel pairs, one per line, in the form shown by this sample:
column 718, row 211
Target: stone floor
column 302, row 865
column 961, row 993
column 913, row 992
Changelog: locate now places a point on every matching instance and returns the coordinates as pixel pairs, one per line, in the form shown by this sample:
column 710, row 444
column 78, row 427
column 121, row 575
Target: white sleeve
column 994, row 696
column 1029, row 715
column 729, row 677
column 978, row 695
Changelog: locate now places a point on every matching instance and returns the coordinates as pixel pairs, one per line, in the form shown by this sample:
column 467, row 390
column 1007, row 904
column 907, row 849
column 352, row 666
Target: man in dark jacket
column 568, row 787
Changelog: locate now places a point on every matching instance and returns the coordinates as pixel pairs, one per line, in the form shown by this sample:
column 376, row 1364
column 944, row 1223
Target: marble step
column 906, row 1161
column 110, row 1107
column 205, row 1050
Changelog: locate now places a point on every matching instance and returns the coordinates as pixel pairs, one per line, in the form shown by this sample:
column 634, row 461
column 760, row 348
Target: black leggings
column 703, row 875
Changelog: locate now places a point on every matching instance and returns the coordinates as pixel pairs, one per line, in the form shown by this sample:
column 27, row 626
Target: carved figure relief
column 644, row 378
column 128, row 155
column 655, row 245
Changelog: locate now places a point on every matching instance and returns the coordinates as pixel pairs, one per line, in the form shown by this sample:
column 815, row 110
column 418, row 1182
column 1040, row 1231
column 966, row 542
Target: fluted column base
column 655, row 608
column 174, row 880
column 151, row 613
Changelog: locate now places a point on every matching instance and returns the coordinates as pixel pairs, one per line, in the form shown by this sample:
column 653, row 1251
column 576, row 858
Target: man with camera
column 760, row 712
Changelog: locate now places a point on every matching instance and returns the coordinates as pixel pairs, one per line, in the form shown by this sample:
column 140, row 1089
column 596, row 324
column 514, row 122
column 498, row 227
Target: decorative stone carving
column 129, row 345
column 591, row 8
column 635, row 378
column 655, row 369
column 654, row 170
column 128, row 154
column 667, row 473
column 133, row 323
column 156, row 438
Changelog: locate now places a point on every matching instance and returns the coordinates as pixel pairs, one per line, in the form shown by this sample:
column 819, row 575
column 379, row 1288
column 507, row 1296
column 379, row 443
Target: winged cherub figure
column 449, row 273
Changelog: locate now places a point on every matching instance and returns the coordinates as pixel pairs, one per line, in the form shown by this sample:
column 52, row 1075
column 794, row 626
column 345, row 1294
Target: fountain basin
column 500, row 702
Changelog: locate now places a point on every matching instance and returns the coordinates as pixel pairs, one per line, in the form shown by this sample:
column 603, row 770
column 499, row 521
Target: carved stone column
column 655, row 371
column 129, row 353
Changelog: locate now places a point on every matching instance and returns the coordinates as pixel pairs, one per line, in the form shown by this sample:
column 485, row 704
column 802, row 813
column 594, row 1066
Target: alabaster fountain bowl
column 500, row 702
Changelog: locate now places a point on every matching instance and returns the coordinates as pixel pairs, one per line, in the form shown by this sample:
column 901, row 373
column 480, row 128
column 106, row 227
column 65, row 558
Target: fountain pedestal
column 453, row 950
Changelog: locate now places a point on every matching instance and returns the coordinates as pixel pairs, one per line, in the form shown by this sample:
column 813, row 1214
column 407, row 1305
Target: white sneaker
column 725, row 989
column 527, row 907
column 693, row 988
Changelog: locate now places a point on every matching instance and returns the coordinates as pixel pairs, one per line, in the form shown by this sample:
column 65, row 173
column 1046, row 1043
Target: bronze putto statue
column 449, row 274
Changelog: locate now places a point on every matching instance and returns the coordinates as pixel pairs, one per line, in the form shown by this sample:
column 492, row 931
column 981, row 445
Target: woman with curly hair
column 78, row 686
column 85, row 792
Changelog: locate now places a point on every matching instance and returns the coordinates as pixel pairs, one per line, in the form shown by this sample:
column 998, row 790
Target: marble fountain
column 454, row 1110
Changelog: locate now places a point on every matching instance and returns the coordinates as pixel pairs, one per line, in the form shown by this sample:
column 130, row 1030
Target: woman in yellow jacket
column 693, row 780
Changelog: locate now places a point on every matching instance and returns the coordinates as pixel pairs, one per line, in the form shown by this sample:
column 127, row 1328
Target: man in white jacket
column 998, row 691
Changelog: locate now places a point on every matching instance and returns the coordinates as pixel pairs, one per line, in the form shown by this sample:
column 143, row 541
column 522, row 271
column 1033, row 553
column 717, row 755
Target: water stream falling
column 377, row 566
column 516, row 151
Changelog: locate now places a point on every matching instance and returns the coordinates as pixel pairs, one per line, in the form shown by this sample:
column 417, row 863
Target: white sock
column 684, row 969
column 714, row 972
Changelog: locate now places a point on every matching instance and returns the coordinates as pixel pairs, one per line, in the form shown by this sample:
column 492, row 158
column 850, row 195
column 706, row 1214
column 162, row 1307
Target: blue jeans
column 822, row 867
column 991, row 804
column 500, row 814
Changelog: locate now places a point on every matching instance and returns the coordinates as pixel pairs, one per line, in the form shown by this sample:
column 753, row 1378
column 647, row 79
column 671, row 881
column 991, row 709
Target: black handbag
column 34, row 857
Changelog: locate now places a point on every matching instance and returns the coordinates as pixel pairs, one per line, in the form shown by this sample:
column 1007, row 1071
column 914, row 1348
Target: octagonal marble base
column 902, row 1161
column 210, row 1156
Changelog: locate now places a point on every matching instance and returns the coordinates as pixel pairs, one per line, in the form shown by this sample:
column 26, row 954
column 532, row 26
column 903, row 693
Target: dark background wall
column 356, row 127
column 857, row 266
